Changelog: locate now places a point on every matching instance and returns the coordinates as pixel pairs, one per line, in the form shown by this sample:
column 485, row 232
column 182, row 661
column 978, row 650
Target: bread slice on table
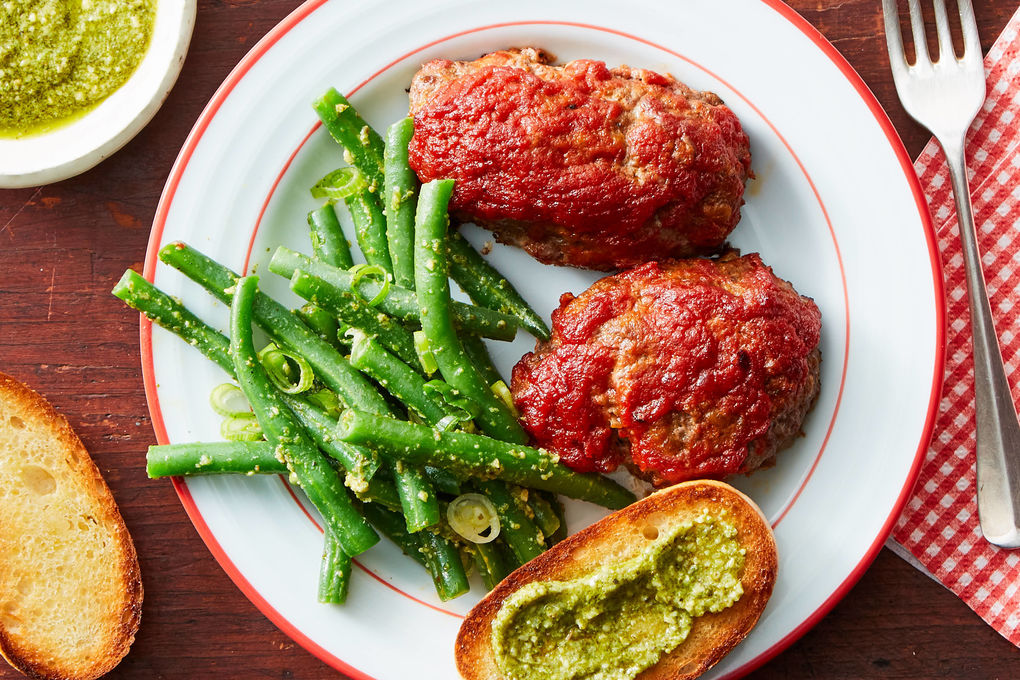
column 623, row 535
column 70, row 589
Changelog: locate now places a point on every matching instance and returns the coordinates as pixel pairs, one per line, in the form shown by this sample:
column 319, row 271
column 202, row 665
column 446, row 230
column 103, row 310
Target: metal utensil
column 944, row 96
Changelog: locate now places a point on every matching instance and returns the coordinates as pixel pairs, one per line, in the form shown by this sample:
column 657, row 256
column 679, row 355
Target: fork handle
column 998, row 430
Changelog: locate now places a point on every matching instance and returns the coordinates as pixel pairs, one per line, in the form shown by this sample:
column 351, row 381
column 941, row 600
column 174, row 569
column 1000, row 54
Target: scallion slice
column 339, row 184
column 228, row 400
column 241, row 429
column 424, row 351
column 326, row 400
column 474, row 517
column 290, row 372
column 361, row 271
column 500, row 389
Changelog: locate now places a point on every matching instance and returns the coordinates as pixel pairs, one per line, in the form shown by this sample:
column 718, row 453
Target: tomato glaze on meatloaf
column 680, row 370
column 580, row 164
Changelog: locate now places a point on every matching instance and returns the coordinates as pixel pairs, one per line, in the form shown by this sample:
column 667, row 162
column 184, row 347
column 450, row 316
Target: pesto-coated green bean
column 312, row 472
column 487, row 287
column 363, row 147
column 395, row 376
column 369, row 227
column 356, row 313
column 329, row 243
column 334, row 571
column 431, row 274
column 399, row 302
column 516, row 528
column 399, row 198
column 286, row 329
column 442, row 558
column 490, row 563
column 471, row 455
column 213, row 458
column 478, row 353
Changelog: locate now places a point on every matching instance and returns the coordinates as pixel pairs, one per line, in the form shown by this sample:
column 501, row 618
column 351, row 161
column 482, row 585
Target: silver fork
column 944, row 96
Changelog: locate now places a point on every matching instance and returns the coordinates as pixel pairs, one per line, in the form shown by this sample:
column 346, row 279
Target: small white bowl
column 74, row 148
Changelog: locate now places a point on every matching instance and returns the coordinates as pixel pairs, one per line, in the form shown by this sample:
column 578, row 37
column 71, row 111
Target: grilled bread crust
column 70, row 588
column 623, row 535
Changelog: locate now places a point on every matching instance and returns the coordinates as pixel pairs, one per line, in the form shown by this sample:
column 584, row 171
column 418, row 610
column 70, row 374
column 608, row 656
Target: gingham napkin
column 939, row 525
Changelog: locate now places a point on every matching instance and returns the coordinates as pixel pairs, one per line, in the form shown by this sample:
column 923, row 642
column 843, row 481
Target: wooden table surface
column 63, row 246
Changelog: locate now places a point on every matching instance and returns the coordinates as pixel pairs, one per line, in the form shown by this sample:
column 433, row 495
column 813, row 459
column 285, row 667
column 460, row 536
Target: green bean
column 360, row 462
column 370, row 227
column 398, row 302
column 399, row 197
column 443, row 480
column 392, row 526
column 358, row 314
column 491, row 564
column 322, row 322
column 488, row 288
column 310, row 469
column 433, row 288
column 329, row 243
column 437, row 554
column 395, row 376
column 169, row 313
column 417, row 497
column 334, row 571
column 470, row 455
column 557, row 506
column 480, row 359
column 245, row 458
column 286, row 329
column 442, row 557
column 384, row 493
column 362, row 145
column 517, row 529
column 213, row 458
column 545, row 515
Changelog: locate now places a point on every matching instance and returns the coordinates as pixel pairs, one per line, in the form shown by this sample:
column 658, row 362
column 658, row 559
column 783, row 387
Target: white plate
column 835, row 209
column 72, row 149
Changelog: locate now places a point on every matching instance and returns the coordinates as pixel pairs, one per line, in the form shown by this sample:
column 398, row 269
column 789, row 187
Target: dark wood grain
column 63, row 246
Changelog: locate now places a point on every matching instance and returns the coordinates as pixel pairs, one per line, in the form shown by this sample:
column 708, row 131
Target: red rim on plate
column 853, row 78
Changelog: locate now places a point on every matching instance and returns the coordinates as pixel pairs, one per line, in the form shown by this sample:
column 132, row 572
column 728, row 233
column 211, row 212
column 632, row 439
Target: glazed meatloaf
column 580, row 164
column 681, row 370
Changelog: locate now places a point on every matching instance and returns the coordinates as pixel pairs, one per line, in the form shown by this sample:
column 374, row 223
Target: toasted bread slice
column 623, row 535
column 70, row 589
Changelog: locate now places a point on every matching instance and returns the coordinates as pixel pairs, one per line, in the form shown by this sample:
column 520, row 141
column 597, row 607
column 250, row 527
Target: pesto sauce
column 60, row 58
column 620, row 619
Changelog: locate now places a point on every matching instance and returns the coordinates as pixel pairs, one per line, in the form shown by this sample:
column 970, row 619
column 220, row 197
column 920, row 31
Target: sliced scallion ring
column 474, row 517
column 326, row 400
column 423, row 349
column 360, row 271
column 339, row 184
column 228, row 400
column 241, row 429
column 289, row 372
column 500, row 389
column 447, row 423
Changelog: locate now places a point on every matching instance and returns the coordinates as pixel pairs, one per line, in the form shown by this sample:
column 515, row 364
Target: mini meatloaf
column 580, row 164
column 680, row 370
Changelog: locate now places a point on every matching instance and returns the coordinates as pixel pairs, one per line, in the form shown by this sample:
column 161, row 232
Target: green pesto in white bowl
column 79, row 78
column 61, row 59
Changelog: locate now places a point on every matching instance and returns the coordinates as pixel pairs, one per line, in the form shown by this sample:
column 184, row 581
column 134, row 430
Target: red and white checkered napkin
column 939, row 525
